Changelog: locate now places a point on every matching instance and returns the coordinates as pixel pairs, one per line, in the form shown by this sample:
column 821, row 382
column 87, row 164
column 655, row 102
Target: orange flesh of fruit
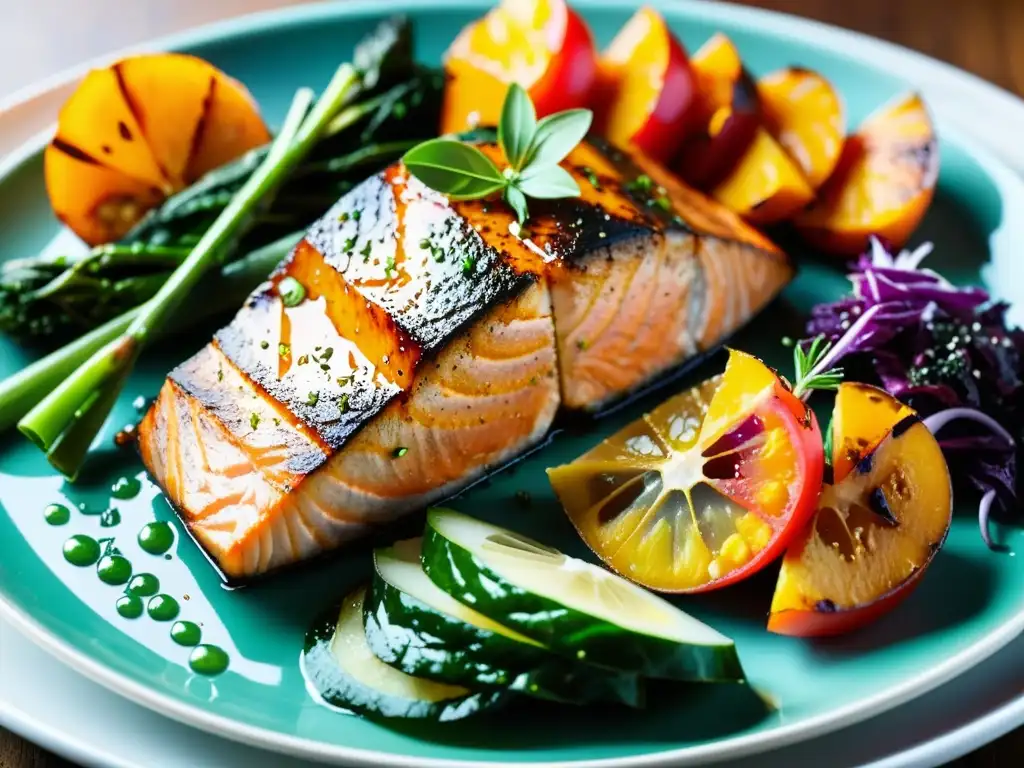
column 230, row 127
column 851, row 557
column 805, row 114
column 169, row 123
column 140, row 130
column 642, row 501
column 514, row 42
column 98, row 203
column 883, row 185
column 97, row 121
column 717, row 66
column 632, row 75
column 766, row 186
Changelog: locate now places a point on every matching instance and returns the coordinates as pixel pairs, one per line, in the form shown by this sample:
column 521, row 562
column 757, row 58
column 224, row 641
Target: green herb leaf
column 458, row 170
column 546, row 182
column 809, row 377
column 517, row 201
column 517, row 125
column 557, row 135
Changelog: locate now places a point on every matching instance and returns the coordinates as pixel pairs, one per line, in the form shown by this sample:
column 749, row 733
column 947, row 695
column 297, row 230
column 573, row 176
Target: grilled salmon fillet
column 410, row 344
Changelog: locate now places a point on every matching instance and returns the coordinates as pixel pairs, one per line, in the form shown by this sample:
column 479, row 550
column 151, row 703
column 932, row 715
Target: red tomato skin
column 569, row 79
column 812, row 466
column 674, row 116
column 839, row 622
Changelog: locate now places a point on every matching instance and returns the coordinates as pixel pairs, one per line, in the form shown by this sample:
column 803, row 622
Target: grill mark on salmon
column 433, row 345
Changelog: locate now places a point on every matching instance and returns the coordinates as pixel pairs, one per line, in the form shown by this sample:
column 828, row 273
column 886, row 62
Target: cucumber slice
column 340, row 666
column 416, row 627
column 569, row 605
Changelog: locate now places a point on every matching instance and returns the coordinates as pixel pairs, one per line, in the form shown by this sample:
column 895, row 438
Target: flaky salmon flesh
column 435, row 340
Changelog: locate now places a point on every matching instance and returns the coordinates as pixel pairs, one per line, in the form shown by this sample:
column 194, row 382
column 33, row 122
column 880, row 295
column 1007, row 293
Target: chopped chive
column 312, row 398
column 254, row 420
column 328, row 354
column 343, row 404
column 399, row 452
column 303, row 359
column 350, row 244
column 284, row 350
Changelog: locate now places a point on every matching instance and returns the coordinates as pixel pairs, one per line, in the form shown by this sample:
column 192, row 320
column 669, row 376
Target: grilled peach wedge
column 646, row 94
column 729, row 114
column 541, row 44
column 806, row 116
column 883, row 185
column 766, row 186
column 878, row 525
column 139, row 130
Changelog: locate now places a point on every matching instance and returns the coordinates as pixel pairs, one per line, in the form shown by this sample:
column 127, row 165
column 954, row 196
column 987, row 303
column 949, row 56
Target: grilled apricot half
column 878, row 524
column 704, row 490
column 883, row 184
column 138, row 131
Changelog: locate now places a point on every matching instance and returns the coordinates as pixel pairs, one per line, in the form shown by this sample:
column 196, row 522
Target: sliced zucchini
column 340, row 666
column 569, row 605
column 416, row 627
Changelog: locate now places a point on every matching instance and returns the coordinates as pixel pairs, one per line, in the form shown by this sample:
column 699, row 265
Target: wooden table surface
column 41, row 37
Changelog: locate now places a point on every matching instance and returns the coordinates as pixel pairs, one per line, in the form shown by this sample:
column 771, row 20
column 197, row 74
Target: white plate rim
column 972, row 734
column 854, row 45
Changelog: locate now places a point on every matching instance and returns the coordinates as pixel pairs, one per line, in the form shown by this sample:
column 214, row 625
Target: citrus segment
column 703, row 490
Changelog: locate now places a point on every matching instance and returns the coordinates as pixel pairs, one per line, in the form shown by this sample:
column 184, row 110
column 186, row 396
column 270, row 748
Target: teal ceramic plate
column 969, row 605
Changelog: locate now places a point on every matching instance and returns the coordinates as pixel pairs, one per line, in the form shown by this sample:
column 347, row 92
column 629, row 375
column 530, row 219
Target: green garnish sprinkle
column 254, row 420
column 312, row 398
column 291, row 291
column 399, row 452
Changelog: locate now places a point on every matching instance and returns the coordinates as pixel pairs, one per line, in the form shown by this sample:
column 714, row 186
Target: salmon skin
column 410, row 344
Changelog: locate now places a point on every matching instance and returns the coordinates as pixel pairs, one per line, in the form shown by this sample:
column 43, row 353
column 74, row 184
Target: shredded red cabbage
column 936, row 346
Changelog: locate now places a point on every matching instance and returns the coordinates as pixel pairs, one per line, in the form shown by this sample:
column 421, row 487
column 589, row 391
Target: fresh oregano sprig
column 533, row 150
column 811, row 371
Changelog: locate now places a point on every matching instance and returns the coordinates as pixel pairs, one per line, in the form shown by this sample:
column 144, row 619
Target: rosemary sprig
column 811, row 368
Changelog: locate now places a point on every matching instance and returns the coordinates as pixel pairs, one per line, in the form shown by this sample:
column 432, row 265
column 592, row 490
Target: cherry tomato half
column 541, row 44
column 706, row 489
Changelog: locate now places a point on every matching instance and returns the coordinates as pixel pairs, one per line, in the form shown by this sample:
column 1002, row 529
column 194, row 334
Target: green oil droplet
column 156, row 538
column 186, row 633
column 81, row 550
column 126, row 488
column 129, row 606
column 57, row 514
column 144, row 585
column 208, row 660
column 114, row 569
column 162, row 608
column 110, row 518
